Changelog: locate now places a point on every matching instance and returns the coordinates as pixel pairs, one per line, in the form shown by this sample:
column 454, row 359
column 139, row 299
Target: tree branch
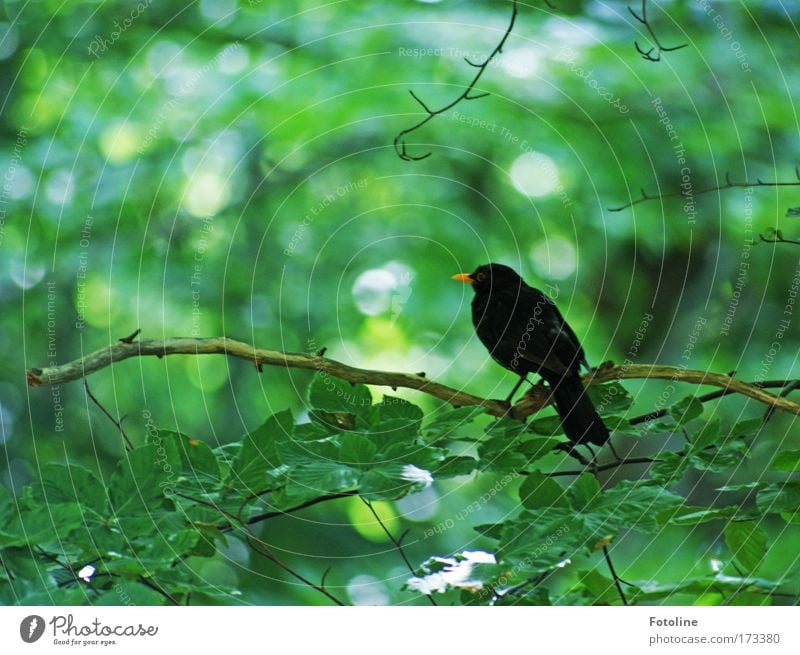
column 729, row 184
column 534, row 400
column 786, row 386
column 400, row 140
column 398, row 544
column 117, row 424
column 775, row 235
column 654, row 53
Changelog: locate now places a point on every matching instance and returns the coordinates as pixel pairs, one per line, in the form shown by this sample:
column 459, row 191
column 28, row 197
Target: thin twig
column 309, row 503
column 603, row 467
column 400, row 145
column 534, row 400
column 157, row 589
column 398, row 544
column 117, row 424
column 614, row 575
column 132, row 336
column 776, row 236
column 658, row 48
column 260, row 547
column 729, row 184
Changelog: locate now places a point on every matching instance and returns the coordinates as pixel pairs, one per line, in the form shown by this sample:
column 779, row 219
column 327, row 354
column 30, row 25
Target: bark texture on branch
column 533, row 401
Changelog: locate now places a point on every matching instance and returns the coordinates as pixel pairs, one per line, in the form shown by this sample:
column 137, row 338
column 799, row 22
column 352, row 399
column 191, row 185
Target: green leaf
column 718, row 460
column 708, row 435
column 6, row 504
column 610, row 398
column 451, row 467
column 41, row 526
column 669, row 469
column 631, row 504
column 69, row 483
column 583, row 491
column 198, row 461
column 540, row 491
column 446, row 423
column 748, row 543
column 392, row 481
column 331, row 394
column 741, row 487
column 259, row 452
column 539, row 539
column 58, row 596
column 394, row 430
column 688, row 515
column 141, row 479
column 531, row 596
column 316, row 478
column 506, row 428
column 391, row 407
column 787, row 460
column 513, row 450
column 748, row 427
column 686, row 409
column 621, row 425
column 128, row 592
column 357, row 450
column 546, row 425
column 780, row 498
column 697, row 587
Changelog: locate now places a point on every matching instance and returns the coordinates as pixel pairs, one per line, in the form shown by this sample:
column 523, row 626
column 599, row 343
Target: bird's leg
column 613, row 450
column 522, row 379
column 593, row 461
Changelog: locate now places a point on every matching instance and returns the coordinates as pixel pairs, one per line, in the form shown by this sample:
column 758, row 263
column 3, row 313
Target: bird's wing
column 568, row 342
column 556, row 348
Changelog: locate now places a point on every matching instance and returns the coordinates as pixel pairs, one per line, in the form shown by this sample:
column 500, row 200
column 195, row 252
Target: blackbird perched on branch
column 525, row 333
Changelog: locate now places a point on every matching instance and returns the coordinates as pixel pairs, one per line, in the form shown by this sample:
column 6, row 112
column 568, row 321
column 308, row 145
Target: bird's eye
column 480, row 277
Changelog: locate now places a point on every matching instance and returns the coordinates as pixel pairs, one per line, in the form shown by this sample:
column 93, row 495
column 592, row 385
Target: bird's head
column 490, row 276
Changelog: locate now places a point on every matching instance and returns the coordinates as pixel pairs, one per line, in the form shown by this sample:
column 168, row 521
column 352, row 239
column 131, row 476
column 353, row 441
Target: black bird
column 525, row 333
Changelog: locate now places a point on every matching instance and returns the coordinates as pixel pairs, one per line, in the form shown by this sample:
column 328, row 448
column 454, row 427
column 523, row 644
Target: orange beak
column 464, row 277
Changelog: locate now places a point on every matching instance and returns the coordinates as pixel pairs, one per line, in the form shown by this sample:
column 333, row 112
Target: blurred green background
column 226, row 168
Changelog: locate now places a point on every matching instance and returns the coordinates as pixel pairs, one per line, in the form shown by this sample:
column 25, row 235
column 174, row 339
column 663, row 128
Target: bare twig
column 729, row 184
column 603, row 467
column 614, row 575
column 309, row 503
column 117, row 424
column 234, row 521
column 400, row 145
column 132, row 336
column 263, row 549
column 398, row 544
column 776, row 236
column 537, row 398
column 155, row 587
column 653, row 53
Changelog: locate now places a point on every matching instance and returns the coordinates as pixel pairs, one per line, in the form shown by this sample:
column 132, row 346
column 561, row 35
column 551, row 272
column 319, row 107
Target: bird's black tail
column 578, row 415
